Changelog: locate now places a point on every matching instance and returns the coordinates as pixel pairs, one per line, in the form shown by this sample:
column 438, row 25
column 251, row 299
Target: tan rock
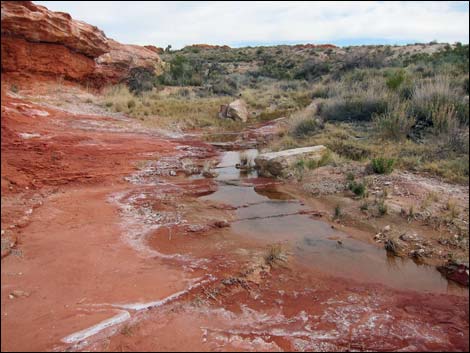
column 114, row 66
column 237, row 110
column 279, row 163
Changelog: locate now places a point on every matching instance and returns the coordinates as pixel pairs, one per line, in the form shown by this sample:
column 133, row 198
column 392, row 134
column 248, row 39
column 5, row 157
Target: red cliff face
column 36, row 41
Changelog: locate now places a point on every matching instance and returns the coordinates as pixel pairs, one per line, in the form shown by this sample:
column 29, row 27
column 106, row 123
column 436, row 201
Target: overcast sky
column 272, row 22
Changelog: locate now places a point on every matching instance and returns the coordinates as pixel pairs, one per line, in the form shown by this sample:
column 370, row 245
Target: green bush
column 382, row 165
column 357, row 188
column 382, row 208
column 395, row 79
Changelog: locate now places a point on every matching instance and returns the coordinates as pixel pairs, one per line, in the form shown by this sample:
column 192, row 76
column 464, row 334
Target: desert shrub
column 356, row 100
column 395, row 124
column 140, row 80
column 338, row 212
column 350, row 149
column 312, row 69
column 353, row 109
column 364, row 58
column 429, row 96
column 130, row 103
column 324, row 160
column 320, row 92
column 382, row 207
column 225, row 86
column 305, row 123
column 181, row 71
column 275, row 254
column 395, row 79
column 382, row 165
column 357, row 188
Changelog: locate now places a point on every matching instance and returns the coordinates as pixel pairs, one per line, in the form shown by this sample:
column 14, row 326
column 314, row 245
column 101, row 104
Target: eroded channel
column 271, row 216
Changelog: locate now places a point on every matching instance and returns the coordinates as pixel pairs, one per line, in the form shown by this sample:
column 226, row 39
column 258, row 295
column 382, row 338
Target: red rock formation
column 155, row 49
column 113, row 66
column 314, row 46
column 39, row 42
column 37, row 24
column 208, row 46
column 21, row 56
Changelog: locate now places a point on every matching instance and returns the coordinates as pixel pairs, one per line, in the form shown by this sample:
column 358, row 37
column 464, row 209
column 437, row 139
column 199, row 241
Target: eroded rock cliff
column 39, row 42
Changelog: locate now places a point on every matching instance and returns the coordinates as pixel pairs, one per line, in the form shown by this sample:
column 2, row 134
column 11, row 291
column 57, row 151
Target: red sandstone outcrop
column 36, row 41
column 114, row 65
column 208, row 46
column 155, row 49
column 37, row 24
column 315, row 46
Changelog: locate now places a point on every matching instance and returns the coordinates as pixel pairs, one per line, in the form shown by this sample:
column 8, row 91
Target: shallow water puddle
column 269, row 216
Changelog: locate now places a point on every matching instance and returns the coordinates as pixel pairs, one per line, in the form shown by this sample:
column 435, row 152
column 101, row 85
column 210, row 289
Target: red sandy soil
column 77, row 257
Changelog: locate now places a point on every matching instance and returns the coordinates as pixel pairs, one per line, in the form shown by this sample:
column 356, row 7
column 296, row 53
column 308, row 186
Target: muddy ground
column 113, row 240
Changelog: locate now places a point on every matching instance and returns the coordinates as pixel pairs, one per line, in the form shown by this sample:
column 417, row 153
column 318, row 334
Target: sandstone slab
column 279, row 163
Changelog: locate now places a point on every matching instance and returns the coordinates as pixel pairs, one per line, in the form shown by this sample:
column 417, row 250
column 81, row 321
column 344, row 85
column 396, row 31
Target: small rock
column 456, row 271
column 210, row 174
column 407, row 237
column 391, row 246
column 387, row 228
column 195, row 228
column 19, row 293
column 172, row 173
column 222, row 224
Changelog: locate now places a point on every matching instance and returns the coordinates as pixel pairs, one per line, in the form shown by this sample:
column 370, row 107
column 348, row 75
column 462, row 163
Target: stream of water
column 271, row 216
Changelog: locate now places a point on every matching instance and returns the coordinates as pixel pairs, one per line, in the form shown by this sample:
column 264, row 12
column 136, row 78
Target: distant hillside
column 198, row 65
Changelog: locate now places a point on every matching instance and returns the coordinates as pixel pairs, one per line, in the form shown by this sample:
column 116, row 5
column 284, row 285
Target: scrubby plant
column 305, row 123
column 395, row 79
column 350, row 176
column 382, row 207
column 430, row 96
column 353, row 100
column 275, row 254
column 141, row 79
column 358, row 188
column 325, row 159
column 382, row 165
column 395, row 124
column 338, row 212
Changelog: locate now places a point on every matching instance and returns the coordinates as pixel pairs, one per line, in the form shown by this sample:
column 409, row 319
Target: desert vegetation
column 407, row 104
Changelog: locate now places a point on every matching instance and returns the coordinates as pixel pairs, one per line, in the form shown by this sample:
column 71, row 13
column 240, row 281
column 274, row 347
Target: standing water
column 270, row 216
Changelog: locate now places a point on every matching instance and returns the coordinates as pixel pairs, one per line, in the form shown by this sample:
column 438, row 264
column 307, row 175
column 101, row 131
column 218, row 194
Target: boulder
column 279, row 163
column 236, row 110
column 456, row 271
column 115, row 65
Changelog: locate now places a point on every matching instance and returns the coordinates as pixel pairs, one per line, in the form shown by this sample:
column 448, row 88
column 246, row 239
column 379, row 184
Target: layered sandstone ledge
column 36, row 41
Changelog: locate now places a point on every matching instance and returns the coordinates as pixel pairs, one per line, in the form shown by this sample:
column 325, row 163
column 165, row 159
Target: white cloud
column 181, row 23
